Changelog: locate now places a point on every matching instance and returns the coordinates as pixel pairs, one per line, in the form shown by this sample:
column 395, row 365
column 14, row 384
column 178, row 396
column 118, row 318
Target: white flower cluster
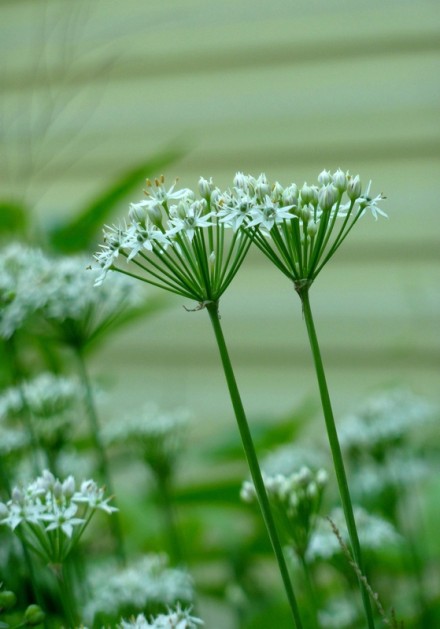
column 291, row 457
column 156, row 434
column 296, row 499
column 51, row 514
column 383, row 420
column 75, row 306
column 398, row 471
column 146, row 583
column 12, row 440
column 375, row 534
column 177, row 618
column 22, row 270
column 61, row 290
column 165, row 232
column 45, row 395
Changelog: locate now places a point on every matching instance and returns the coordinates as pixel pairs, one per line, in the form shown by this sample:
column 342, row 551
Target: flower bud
column 304, row 475
column 321, row 477
column 137, row 212
column 215, row 196
column 327, row 196
column 154, row 213
column 354, row 188
column 241, row 181
column 200, row 207
column 247, row 492
column 206, row 186
column 262, row 187
column 312, row 490
column 17, row 496
column 305, row 214
column 181, row 210
column 324, row 177
column 277, row 192
column 69, row 487
column 57, row 489
column 309, row 194
column 312, row 228
column 340, row 180
column 290, row 195
column 7, row 599
column 34, row 615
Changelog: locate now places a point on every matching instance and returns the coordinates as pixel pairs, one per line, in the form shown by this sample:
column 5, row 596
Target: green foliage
column 79, row 233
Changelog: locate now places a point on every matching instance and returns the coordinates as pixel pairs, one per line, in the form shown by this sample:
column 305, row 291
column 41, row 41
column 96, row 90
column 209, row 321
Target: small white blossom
column 176, row 618
column 375, row 534
column 146, row 582
column 48, row 505
column 268, row 214
column 187, row 217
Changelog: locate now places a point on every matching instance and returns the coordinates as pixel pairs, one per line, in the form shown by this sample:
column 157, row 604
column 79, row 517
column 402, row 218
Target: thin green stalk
column 169, row 517
column 335, row 449
column 310, row 591
column 103, row 466
column 67, row 594
column 17, row 378
column 252, row 460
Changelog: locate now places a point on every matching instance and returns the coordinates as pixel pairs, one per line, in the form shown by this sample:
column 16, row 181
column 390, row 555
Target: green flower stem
column 169, row 517
column 310, row 590
column 252, row 460
column 17, row 379
column 103, row 466
column 67, row 594
column 335, row 448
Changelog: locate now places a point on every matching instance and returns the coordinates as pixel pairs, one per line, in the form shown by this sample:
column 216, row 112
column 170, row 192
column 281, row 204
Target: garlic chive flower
column 176, row 241
column 176, row 618
column 296, row 500
column 146, row 586
column 299, row 229
column 156, row 435
column 22, row 269
column 375, row 534
column 73, row 310
column 50, row 515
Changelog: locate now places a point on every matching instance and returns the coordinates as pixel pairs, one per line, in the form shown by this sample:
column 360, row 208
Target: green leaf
column 79, row 233
column 13, row 218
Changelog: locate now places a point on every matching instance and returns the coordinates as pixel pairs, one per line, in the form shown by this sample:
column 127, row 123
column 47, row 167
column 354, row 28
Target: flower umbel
column 180, row 247
column 296, row 499
column 50, row 515
column 299, row 229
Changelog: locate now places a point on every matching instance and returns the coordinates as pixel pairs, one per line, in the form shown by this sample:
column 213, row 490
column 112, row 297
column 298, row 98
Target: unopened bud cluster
column 296, row 500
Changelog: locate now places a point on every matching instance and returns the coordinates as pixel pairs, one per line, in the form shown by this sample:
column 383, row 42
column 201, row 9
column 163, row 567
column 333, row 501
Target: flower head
column 51, row 515
column 299, row 229
column 175, row 618
column 156, row 435
column 22, row 270
column 143, row 586
column 176, row 241
column 296, row 499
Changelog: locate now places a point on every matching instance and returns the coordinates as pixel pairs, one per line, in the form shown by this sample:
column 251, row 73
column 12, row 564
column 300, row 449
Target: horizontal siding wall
column 89, row 88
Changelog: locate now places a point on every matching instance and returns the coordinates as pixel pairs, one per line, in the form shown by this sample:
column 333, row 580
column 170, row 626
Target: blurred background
column 98, row 95
column 92, row 90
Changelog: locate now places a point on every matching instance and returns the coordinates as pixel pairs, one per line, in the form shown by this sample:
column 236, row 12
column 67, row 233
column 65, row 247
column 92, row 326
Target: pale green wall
column 88, row 88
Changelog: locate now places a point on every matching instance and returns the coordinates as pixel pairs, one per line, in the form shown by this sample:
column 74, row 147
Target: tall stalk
column 252, row 460
column 335, row 448
column 103, row 466
column 169, row 519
